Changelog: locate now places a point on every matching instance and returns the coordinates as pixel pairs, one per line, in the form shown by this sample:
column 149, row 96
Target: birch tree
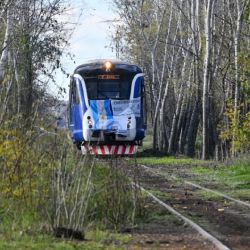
column 208, row 30
column 7, row 39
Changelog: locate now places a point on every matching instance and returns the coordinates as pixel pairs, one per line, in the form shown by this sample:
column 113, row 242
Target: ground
column 225, row 220
column 157, row 228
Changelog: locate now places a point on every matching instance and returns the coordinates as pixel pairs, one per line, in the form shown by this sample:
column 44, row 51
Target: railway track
column 237, row 201
column 207, row 236
column 217, row 222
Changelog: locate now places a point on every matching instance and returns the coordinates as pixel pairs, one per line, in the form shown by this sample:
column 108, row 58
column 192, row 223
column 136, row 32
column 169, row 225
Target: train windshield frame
column 99, row 89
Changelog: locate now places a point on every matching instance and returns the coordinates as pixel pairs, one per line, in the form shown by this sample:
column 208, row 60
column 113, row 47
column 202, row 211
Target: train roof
column 93, row 64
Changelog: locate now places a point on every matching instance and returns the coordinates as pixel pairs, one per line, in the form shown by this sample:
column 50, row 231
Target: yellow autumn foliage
column 20, row 172
column 237, row 130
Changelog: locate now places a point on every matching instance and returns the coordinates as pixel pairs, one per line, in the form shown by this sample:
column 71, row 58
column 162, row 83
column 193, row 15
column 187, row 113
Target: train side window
column 77, row 98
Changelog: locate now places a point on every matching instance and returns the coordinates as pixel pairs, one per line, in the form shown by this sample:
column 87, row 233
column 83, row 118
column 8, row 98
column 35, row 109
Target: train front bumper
column 109, row 149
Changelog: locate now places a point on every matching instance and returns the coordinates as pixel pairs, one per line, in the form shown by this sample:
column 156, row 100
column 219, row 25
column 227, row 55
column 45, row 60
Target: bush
column 237, row 130
column 48, row 178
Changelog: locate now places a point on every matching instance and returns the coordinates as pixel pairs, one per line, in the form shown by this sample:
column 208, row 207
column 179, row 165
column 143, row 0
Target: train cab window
column 125, row 88
column 91, row 89
column 108, row 89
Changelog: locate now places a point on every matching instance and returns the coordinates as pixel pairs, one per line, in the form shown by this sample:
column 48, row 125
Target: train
column 106, row 109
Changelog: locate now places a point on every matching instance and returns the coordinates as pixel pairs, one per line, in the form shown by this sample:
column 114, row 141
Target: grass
column 167, row 160
column 164, row 217
column 95, row 240
column 161, row 195
column 157, row 215
column 240, row 193
column 147, row 142
column 202, row 170
column 235, row 175
column 208, row 195
column 235, row 179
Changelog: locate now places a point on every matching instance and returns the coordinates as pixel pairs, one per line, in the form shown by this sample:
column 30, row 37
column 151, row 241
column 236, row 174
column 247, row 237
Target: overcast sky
column 91, row 37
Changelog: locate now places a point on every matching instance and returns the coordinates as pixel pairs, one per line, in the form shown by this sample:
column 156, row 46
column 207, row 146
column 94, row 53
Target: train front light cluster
column 129, row 122
column 89, row 122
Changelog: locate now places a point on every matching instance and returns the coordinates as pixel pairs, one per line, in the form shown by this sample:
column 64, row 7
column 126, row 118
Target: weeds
column 234, row 178
column 46, row 185
column 71, row 191
column 115, row 200
column 165, row 160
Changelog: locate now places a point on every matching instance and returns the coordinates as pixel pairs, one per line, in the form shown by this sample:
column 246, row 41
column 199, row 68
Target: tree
column 32, row 47
column 208, row 29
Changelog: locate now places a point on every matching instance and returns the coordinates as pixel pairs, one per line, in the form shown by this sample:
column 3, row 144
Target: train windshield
column 108, row 89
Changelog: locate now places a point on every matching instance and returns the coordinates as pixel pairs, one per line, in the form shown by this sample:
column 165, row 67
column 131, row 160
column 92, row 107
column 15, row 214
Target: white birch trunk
column 6, row 43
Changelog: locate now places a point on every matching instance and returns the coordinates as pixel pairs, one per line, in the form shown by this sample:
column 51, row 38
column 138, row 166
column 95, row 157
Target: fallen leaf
column 221, row 209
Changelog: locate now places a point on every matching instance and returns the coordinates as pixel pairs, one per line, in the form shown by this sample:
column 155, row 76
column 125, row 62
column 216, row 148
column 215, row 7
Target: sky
column 91, row 37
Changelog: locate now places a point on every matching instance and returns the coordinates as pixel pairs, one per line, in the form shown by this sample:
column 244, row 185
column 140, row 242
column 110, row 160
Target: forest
column 195, row 55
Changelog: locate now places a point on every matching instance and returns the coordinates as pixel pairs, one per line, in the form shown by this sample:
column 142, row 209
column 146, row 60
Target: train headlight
column 89, row 122
column 108, row 66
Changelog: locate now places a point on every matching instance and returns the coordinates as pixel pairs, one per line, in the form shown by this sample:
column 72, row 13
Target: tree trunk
column 6, row 43
column 206, row 78
column 192, row 130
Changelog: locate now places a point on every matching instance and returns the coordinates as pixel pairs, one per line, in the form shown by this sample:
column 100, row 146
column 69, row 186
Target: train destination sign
column 109, row 77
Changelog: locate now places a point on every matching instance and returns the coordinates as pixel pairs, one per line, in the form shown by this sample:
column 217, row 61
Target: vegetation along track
column 225, row 219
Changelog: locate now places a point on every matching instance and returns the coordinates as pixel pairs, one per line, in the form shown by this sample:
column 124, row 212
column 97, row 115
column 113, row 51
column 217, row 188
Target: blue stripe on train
column 81, row 94
column 77, row 121
column 140, row 131
column 109, row 115
column 78, row 110
column 107, row 109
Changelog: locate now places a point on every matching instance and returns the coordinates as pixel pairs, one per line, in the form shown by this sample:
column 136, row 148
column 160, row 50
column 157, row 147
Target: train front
column 110, row 117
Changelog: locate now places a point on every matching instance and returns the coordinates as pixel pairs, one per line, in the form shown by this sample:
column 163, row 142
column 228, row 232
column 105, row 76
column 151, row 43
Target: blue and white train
column 106, row 111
